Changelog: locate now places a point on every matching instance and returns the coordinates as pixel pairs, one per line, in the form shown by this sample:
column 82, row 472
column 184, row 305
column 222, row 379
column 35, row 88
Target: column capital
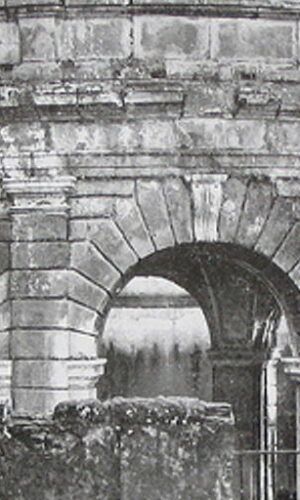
column 39, row 194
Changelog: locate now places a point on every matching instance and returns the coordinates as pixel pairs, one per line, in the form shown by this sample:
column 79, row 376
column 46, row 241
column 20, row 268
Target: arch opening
column 249, row 309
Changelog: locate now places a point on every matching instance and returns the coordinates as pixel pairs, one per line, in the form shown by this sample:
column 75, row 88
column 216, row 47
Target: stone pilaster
column 44, row 318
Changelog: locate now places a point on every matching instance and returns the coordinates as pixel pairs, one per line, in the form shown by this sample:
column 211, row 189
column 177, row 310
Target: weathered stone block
column 37, row 401
column 40, row 255
column 207, row 198
column 5, row 315
column 37, row 226
column 5, row 352
column 100, row 206
column 38, row 39
column 288, row 188
column 40, row 374
column 219, row 134
column 110, row 240
column 156, row 135
column 179, row 201
column 85, row 291
column 289, row 252
column 40, row 313
column 94, row 38
column 257, row 207
column 171, row 37
column 153, row 207
column 283, row 137
column 4, row 257
column 38, row 283
column 82, row 318
column 4, row 286
column 129, row 219
column 82, row 346
column 5, row 230
column 17, row 137
column 253, row 39
column 234, row 191
column 9, row 43
column 88, row 261
column 279, row 223
column 105, row 187
column 37, row 344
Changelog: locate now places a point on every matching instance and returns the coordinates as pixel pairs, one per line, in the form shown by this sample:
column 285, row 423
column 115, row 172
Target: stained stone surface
column 179, row 448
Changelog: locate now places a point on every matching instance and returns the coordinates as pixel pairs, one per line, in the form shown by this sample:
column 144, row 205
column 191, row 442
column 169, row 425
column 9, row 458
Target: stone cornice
column 230, row 8
column 145, row 163
column 264, row 98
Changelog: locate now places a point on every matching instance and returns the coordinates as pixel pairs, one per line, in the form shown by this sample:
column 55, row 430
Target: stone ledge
column 234, row 8
column 176, row 410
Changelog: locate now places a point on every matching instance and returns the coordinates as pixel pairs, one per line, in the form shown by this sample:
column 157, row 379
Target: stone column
column 292, row 368
column 43, row 317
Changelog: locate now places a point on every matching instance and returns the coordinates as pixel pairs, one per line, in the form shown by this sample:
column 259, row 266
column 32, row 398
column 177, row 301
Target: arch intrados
column 279, row 284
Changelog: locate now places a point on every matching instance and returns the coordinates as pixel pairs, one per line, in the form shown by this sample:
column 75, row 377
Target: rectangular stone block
column 37, row 227
column 153, row 207
column 37, row 401
column 257, row 207
column 37, row 344
column 277, row 226
column 94, row 38
column 4, row 286
column 82, row 346
column 38, row 283
column 219, row 134
column 4, row 257
column 129, row 219
column 253, row 39
column 9, row 43
column 82, row 318
column 40, row 255
column 207, row 197
column 99, row 206
column 105, row 187
column 171, row 37
column 5, row 343
column 5, row 230
column 40, row 313
column 283, row 137
column 40, row 374
column 107, row 237
column 5, row 315
column 23, row 137
column 234, row 191
column 88, row 261
column 38, row 38
column 289, row 252
column 83, row 290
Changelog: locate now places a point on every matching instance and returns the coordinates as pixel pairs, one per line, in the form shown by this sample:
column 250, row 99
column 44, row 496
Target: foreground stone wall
column 171, row 448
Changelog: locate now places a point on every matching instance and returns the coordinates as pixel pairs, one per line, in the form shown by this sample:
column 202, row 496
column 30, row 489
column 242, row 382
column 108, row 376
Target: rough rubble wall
column 172, row 448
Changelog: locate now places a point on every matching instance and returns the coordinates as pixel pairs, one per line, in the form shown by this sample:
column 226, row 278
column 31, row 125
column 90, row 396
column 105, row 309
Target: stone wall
column 128, row 128
column 172, row 448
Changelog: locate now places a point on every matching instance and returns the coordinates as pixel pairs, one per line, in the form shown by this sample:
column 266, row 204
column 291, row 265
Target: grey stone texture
column 121, row 449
